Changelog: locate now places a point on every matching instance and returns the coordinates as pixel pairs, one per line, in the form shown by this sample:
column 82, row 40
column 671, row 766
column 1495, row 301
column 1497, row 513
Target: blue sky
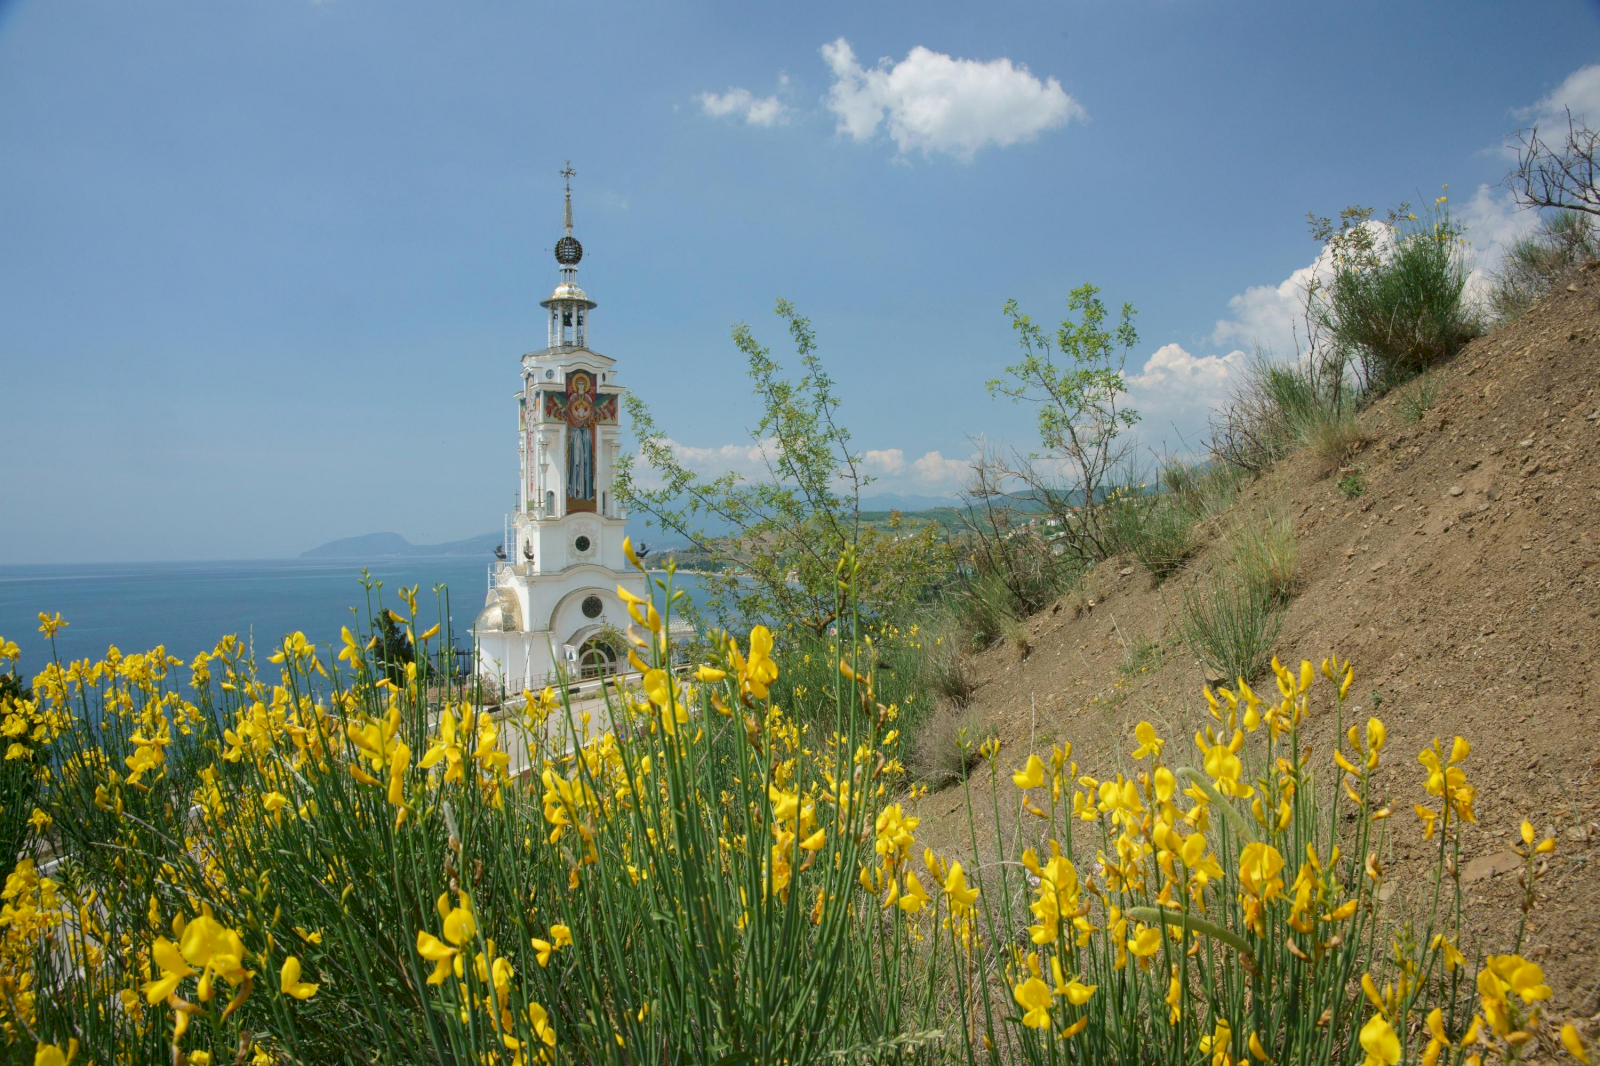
column 268, row 266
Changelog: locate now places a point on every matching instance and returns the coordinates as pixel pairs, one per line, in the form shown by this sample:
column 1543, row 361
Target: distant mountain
column 394, row 546
column 889, row 501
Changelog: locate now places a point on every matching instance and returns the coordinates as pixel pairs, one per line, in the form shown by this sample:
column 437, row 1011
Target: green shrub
column 1165, row 537
column 1396, row 298
column 1353, row 482
column 1564, row 240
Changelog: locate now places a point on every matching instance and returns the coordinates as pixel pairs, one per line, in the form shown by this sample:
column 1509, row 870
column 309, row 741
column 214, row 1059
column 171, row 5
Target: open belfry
column 552, row 599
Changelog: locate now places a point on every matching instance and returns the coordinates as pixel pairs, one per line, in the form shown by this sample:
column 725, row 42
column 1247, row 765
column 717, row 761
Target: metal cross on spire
column 568, row 173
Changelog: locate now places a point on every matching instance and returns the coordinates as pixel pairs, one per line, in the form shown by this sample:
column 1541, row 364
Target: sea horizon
column 188, row 605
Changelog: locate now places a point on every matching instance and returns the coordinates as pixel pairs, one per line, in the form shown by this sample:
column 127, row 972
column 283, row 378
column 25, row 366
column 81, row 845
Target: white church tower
column 553, row 598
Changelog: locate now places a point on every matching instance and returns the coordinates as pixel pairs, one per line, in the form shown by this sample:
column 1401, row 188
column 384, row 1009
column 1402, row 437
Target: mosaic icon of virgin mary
column 580, row 437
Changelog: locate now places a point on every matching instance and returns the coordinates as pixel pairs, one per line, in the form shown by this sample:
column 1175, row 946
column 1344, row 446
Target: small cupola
column 569, row 306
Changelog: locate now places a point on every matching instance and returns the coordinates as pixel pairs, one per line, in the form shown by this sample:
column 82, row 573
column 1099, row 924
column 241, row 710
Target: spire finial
column 568, row 173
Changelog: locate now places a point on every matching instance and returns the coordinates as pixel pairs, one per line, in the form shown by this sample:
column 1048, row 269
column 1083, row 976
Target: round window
column 592, row 607
column 582, row 544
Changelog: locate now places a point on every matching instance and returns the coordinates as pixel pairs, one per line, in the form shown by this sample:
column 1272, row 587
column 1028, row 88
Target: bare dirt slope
column 1465, row 586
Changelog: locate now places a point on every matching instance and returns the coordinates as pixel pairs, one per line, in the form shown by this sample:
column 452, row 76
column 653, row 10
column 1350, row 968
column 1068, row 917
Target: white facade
column 556, row 588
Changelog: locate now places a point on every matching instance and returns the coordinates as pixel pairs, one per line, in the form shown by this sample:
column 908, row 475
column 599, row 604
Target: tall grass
column 1563, row 241
column 1158, row 531
column 1232, row 619
column 1158, row 527
column 1230, row 625
column 1418, row 399
column 1278, row 409
column 1262, row 551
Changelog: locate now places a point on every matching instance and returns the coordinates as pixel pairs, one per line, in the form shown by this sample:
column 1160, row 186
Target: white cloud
column 889, row 467
column 935, row 471
column 1268, row 316
column 890, row 462
column 743, row 104
column 1173, row 369
column 745, row 458
column 932, row 102
column 1580, row 93
column 1175, row 392
column 1493, row 223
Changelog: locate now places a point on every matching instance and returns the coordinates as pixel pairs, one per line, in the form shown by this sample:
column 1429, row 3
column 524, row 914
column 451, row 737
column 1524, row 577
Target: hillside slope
column 1465, row 586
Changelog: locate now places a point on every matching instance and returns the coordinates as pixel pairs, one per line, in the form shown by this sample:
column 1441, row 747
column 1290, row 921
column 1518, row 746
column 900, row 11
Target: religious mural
column 581, row 408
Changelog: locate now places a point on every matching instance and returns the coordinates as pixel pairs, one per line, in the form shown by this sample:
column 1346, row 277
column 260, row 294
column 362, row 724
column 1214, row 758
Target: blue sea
column 189, row 606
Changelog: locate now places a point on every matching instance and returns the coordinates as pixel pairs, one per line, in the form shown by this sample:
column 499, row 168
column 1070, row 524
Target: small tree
column 789, row 528
column 1074, row 380
column 1563, row 177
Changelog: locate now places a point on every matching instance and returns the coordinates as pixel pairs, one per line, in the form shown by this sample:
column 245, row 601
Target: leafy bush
column 1014, row 562
column 1073, row 378
column 786, row 527
column 1396, row 295
column 1563, row 241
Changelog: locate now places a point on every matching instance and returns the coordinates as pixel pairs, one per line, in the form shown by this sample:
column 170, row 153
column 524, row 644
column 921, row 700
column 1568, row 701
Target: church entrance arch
column 597, row 657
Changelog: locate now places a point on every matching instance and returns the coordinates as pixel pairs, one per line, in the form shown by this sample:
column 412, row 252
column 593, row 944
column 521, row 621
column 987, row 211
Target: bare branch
column 1559, row 178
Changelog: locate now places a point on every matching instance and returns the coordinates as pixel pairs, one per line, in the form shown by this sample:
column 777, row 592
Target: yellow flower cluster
column 548, row 876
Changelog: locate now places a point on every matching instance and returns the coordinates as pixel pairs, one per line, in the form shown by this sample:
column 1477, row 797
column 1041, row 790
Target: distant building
column 553, row 598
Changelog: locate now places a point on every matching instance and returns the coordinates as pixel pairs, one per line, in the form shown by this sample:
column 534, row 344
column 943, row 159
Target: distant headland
column 394, row 546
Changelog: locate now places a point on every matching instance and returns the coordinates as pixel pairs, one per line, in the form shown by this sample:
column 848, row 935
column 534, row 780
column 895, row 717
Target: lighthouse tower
column 553, row 599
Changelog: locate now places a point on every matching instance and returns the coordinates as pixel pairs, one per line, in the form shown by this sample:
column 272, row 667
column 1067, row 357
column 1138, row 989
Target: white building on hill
column 553, row 598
